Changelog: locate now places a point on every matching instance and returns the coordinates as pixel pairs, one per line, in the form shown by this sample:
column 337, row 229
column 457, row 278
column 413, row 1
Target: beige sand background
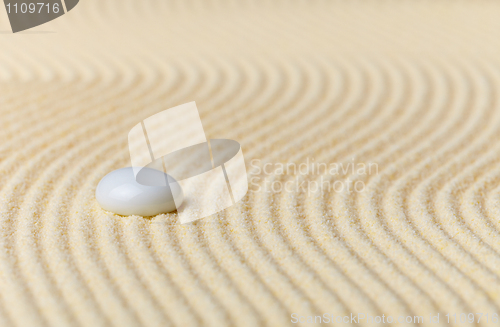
column 410, row 85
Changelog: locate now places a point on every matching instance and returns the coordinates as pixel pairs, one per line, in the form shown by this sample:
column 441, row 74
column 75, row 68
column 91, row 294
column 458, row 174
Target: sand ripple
column 410, row 86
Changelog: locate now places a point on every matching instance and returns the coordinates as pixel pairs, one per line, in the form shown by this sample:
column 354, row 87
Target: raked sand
column 412, row 86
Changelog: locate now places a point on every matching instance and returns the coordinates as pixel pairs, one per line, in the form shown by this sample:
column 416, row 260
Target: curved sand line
column 410, row 86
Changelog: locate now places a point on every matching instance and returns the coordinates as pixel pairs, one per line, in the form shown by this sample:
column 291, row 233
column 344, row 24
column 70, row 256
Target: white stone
column 120, row 192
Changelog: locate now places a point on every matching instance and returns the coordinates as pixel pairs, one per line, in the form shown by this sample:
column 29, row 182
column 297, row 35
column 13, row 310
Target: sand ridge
column 410, row 86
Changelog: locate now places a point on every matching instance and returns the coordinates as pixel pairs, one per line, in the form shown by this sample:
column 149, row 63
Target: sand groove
column 410, row 86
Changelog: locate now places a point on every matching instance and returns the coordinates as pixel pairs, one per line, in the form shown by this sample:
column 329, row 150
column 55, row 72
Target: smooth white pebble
column 120, row 192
